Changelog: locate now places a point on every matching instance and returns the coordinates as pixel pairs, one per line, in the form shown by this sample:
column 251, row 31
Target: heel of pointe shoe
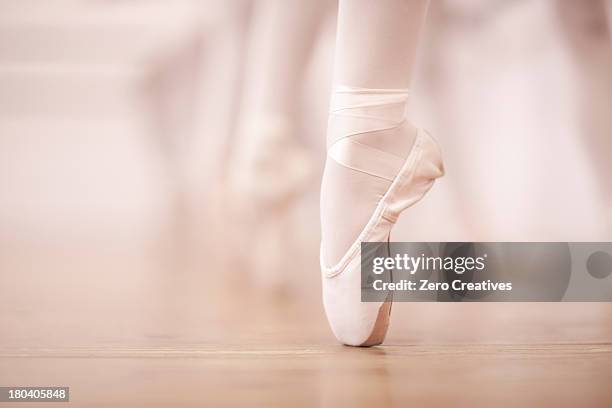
column 421, row 171
column 433, row 156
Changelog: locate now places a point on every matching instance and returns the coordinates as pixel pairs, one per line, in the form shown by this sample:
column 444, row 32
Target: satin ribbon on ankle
column 356, row 111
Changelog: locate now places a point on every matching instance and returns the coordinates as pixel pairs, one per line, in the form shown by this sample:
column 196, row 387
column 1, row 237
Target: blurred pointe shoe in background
column 270, row 170
column 269, row 166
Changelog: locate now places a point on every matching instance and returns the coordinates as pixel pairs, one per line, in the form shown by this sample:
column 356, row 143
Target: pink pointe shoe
column 352, row 321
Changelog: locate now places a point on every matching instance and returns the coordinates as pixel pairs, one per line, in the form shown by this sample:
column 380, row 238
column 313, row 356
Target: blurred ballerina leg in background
column 586, row 27
column 270, row 168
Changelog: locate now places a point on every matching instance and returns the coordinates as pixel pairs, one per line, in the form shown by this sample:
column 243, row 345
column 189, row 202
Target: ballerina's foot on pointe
column 377, row 165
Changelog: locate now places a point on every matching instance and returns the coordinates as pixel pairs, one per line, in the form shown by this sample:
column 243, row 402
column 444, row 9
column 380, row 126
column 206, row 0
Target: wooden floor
column 436, row 355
